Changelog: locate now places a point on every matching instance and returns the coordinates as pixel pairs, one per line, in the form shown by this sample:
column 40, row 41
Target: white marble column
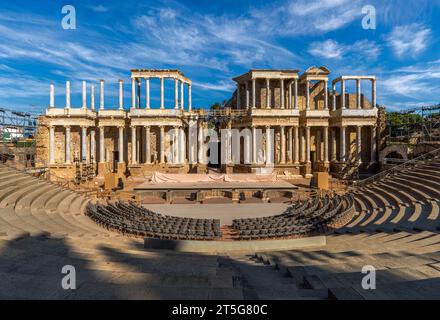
column 358, row 93
column 326, row 95
column 238, row 96
column 343, row 94
column 296, row 146
column 175, row 147
column 162, row 101
column 121, row 144
column 176, row 94
column 147, row 93
column 51, row 145
column 283, row 145
column 84, row 95
column 84, row 144
column 182, row 100
column 200, row 149
column 182, row 145
column 295, row 105
column 289, row 99
column 290, row 159
column 334, row 97
column 101, row 95
column 229, row 144
column 373, row 92
column 147, row 145
column 254, row 95
column 268, row 93
column 247, row 93
column 359, row 144
column 52, row 96
column 333, row 144
column 254, row 145
column 325, row 130
column 67, row 145
column 282, row 93
column 138, row 98
column 303, row 144
column 67, row 94
column 101, row 145
column 133, row 93
column 268, row 146
column 189, row 97
column 318, row 142
column 121, row 97
column 133, row 145
column 307, row 95
column 373, row 144
column 92, row 97
column 162, row 144
column 342, row 148
column 92, row 145
column 307, row 144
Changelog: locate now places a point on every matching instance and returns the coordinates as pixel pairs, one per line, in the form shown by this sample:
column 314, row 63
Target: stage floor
column 226, row 212
column 278, row 185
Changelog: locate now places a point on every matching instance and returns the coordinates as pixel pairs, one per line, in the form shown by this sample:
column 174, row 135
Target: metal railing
column 399, row 168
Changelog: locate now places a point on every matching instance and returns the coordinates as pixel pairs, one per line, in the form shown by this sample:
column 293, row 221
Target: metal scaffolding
column 17, row 124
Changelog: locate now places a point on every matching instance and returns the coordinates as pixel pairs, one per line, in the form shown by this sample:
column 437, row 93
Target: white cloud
column 99, row 8
column 329, row 49
column 409, row 40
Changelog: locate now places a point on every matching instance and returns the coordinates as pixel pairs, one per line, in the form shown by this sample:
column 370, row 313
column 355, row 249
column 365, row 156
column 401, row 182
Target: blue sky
column 213, row 41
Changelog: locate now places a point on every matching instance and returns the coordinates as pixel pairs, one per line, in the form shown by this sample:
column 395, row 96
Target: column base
column 102, row 169
column 121, row 169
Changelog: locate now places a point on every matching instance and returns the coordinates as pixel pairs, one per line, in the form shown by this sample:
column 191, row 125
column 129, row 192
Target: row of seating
column 310, row 217
column 138, row 221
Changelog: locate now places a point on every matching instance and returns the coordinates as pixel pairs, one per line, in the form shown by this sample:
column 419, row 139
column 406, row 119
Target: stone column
column 84, row 144
column 92, row 97
column 289, row 100
column 182, row 145
column 334, row 96
column 307, row 95
column 101, row 145
column 282, row 93
column 254, row 104
column 290, row 160
column 247, row 93
column 238, row 96
column 318, row 141
column 303, row 144
column 296, row 145
column 342, row 151
column 268, row 146
column 295, row 106
column 138, row 100
column 176, row 144
column 84, row 95
column 121, row 97
column 358, row 93
column 92, row 145
column 254, row 145
column 147, row 145
column 51, row 145
column 67, row 146
column 121, row 144
column 333, row 144
column 133, row 93
column 307, row 144
column 359, row 144
column 176, row 94
column 67, row 94
column 373, row 144
column 147, row 93
column 162, row 102
column 373, row 92
column 325, row 95
column 162, row 144
column 283, row 145
column 101, row 95
column 189, row 97
column 343, row 93
column 325, row 144
column 267, row 93
column 133, row 145
column 229, row 144
column 52, row 96
column 200, row 143
column 182, row 101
